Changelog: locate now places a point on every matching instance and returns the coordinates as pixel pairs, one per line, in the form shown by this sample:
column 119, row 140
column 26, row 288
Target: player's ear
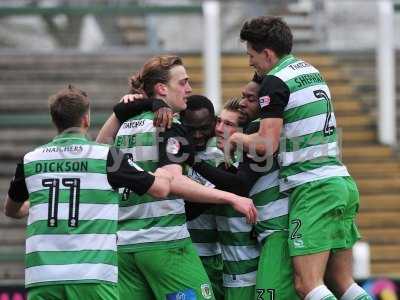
column 86, row 120
column 270, row 55
column 161, row 89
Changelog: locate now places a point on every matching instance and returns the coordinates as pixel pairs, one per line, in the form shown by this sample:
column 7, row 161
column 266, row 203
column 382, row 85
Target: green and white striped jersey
column 240, row 250
column 272, row 205
column 309, row 148
column 203, row 229
column 72, row 223
column 145, row 222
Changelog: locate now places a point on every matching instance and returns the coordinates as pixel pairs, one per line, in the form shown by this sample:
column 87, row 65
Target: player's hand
column 163, row 117
column 246, row 207
column 229, row 151
column 164, row 174
column 131, row 97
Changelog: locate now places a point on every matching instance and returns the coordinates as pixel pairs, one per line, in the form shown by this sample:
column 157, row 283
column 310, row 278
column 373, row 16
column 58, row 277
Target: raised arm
column 109, row 130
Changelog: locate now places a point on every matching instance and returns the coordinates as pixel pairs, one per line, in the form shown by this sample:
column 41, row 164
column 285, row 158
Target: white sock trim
column 318, row 293
column 353, row 292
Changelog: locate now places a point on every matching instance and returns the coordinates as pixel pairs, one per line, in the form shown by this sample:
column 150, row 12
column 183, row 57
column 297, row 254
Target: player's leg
column 214, row 266
column 92, row 291
column 54, row 292
column 175, row 272
column 308, row 275
column 131, row 282
column 275, row 280
column 316, row 225
column 339, row 273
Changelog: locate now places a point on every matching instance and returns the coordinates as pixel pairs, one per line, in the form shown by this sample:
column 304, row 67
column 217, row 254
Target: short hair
column 67, row 107
column 232, row 104
column 155, row 70
column 268, row 32
column 197, row 102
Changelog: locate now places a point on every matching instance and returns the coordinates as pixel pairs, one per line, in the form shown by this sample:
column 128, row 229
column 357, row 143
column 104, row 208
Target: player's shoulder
column 178, row 129
column 252, row 127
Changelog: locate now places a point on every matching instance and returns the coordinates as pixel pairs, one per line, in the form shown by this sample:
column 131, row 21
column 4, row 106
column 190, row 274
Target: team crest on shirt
column 173, row 146
column 206, row 291
column 264, row 101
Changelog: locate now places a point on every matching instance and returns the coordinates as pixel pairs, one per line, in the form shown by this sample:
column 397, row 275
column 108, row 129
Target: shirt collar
column 71, row 135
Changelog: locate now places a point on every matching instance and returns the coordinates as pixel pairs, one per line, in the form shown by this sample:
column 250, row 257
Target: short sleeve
column 175, row 146
column 124, row 111
column 273, row 97
column 18, row 190
column 122, row 171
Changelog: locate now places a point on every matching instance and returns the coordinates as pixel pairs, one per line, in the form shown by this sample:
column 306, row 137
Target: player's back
column 309, row 147
column 72, row 223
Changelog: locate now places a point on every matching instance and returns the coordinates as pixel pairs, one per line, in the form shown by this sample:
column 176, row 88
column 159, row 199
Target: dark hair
column 268, row 32
column 197, row 102
column 155, row 70
column 67, row 107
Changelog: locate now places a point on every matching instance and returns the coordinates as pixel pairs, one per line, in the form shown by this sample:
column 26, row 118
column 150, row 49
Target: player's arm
column 126, row 109
column 16, row 202
column 109, row 130
column 171, row 153
column 238, row 183
column 184, row 187
column 273, row 98
column 123, row 172
column 14, row 209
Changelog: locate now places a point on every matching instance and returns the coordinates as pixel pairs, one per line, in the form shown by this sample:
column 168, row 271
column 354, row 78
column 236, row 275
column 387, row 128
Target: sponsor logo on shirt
column 173, row 146
column 298, row 243
column 264, row 101
column 133, row 124
column 188, row 294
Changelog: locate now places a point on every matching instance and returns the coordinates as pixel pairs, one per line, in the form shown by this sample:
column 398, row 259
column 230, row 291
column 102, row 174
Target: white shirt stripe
column 306, row 96
column 133, row 127
column 207, row 249
column 273, row 209
column 77, row 152
column 70, row 242
column 86, row 212
column 204, row 221
column 233, row 224
column 49, row 273
column 154, row 234
column 265, row 182
column 312, row 175
column 239, row 253
column 309, row 153
column 266, row 233
column 152, row 209
column 239, row 280
column 91, row 181
column 287, row 73
column 142, row 153
column 307, row 125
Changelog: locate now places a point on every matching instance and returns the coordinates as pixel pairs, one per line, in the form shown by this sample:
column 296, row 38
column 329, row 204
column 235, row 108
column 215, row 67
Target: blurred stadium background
column 96, row 45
